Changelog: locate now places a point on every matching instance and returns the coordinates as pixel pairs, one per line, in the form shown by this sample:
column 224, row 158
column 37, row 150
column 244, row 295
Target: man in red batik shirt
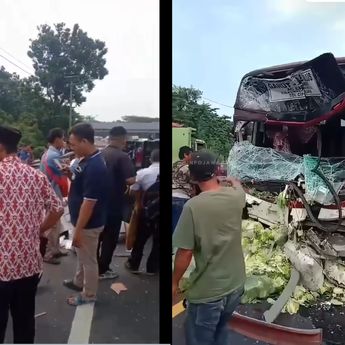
column 28, row 208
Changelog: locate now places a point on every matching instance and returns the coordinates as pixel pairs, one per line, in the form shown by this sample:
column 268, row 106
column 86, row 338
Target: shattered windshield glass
column 247, row 161
column 334, row 171
column 300, row 95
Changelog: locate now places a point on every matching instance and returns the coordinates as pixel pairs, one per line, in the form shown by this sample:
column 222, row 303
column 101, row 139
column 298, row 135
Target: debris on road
column 118, row 287
column 269, row 262
column 40, row 314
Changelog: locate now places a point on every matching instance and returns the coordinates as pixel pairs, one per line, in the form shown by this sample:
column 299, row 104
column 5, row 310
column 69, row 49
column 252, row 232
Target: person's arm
column 130, row 181
column 183, row 258
column 50, row 220
column 127, row 169
column 183, row 239
column 52, row 204
column 136, row 189
column 52, row 165
column 137, row 185
column 85, row 214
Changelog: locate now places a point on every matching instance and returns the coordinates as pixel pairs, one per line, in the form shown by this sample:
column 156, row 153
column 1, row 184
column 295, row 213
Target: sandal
column 80, row 300
column 69, row 284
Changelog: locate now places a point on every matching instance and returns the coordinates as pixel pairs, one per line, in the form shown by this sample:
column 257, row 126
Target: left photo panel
column 79, row 172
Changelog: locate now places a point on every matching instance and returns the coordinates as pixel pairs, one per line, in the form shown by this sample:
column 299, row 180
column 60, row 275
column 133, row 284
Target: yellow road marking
column 177, row 309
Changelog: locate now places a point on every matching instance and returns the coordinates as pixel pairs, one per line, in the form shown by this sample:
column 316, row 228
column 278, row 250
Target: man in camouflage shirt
column 182, row 190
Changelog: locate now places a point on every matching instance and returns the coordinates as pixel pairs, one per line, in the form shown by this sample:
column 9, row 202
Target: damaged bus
column 289, row 153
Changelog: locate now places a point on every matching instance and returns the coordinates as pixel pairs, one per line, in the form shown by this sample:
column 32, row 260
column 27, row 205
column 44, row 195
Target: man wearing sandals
column 87, row 204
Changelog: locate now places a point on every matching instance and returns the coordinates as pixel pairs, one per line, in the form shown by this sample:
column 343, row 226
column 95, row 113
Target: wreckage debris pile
column 269, row 257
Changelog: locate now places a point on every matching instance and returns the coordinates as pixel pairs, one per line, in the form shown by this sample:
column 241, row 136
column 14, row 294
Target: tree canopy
column 41, row 102
column 61, row 56
column 188, row 110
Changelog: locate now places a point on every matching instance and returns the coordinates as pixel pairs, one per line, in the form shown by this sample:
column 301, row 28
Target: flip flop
column 69, row 284
column 80, row 300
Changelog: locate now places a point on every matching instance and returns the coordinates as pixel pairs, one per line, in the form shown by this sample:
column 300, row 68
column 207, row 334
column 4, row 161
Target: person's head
column 9, row 139
column 118, row 137
column 203, row 167
column 154, row 156
column 56, row 138
column 82, row 139
column 185, row 153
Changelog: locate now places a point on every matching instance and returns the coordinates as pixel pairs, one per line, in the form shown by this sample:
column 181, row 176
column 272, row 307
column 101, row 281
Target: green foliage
column 60, row 52
column 215, row 130
column 36, row 104
column 23, row 106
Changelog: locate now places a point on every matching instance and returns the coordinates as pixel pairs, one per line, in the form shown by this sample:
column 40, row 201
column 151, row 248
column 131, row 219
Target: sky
column 130, row 29
column 216, row 42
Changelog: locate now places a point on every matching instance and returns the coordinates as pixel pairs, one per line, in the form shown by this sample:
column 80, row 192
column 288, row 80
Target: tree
column 10, row 93
column 191, row 112
column 23, row 106
column 61, row 56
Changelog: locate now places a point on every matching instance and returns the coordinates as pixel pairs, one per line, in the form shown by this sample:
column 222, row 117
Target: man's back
column 146, row 177
column 210, row 225
column 120, row 168
column 25, row 194
column 50, row 169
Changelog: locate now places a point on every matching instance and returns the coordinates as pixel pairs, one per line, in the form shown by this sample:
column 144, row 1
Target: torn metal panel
column 299, row 214
column 328, row 214
column 322, row 246
column 266, row 212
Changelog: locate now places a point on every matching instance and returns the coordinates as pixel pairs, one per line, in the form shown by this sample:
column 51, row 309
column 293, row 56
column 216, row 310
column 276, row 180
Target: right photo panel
column 258, row 172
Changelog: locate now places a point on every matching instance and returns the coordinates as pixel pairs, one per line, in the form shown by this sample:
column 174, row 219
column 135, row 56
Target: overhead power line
column 210, row 100
column 13, row 57
column 224, row 105
column 4, row 57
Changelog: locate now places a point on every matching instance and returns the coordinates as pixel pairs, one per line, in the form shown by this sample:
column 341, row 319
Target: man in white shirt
column 147, row 185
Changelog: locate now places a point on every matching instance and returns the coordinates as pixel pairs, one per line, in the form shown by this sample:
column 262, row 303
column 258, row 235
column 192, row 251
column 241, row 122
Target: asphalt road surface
column 130, row 317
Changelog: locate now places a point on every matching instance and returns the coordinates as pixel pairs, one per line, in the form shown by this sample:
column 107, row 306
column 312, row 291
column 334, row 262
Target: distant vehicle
column 139, row 151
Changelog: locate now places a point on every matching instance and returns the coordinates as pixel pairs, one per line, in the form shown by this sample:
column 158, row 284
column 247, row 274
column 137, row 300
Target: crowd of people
column 96, row 186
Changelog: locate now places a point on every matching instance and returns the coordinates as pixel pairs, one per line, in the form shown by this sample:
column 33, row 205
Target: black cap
column 202, row 166
column 9, row 136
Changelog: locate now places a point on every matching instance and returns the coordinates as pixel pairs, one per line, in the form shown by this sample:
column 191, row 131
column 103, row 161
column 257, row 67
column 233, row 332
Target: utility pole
column 70, row 104
column 70, row 78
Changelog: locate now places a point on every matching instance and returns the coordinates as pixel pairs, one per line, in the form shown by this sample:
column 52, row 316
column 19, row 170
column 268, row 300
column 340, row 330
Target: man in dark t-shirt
column 121, row 175
column 87, row 202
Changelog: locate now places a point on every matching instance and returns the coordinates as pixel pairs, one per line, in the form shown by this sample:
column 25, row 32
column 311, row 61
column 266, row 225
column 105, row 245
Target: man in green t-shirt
column 210, row 230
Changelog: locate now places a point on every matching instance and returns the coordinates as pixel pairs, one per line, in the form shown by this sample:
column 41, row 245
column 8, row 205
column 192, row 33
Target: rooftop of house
column 127, row 125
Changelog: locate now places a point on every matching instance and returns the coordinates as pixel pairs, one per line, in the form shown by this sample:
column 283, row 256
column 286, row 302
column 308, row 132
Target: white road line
column 81, row 325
